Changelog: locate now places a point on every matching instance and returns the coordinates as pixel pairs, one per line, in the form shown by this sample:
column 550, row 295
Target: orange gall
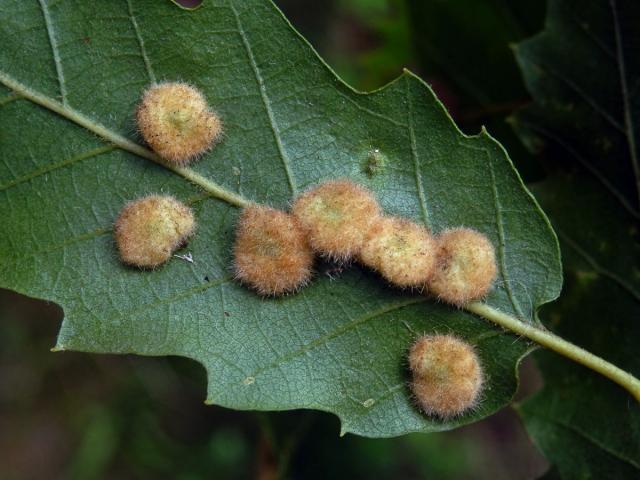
column 447, row 375
column 177, row 123
column 466, row 266
column 150, row 229
column 336, row 216
column 272, row 255
column 403, row 252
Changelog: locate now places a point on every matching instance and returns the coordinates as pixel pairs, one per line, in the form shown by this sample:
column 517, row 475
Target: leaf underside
column 338, row 345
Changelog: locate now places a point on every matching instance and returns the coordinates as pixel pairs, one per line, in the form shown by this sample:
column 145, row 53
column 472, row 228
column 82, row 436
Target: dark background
column 72, row 415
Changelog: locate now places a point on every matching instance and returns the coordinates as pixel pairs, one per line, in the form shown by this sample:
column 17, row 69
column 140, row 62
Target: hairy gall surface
column 466, row 266
column 272, row 255
column 401, row 251
column 175, row 120
column 150, row 229
column 337, row 216
column 447, row 375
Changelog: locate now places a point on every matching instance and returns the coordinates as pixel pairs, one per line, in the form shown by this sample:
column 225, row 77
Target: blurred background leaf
column 583, row 72
column 464, row 48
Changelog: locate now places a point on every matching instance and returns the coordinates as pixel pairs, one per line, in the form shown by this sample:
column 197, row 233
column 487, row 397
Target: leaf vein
column 143, row 52
column 12, row 97
column 339, row 331
column 594, row 442
column 369, row 111
column 502, row 240
column 266, row 101
column 48, row 22
column 581, row 93
column 416, row 160
column 596, row 266
column 56, row 166
column 189, row 292
column 589, row 33
column 590, row 168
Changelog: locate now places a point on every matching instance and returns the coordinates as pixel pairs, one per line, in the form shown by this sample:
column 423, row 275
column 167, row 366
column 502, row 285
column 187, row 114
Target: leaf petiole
column 559, row 345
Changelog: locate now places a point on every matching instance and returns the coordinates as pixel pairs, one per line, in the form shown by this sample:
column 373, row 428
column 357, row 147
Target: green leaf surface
column 582, row 71
column 78, row 70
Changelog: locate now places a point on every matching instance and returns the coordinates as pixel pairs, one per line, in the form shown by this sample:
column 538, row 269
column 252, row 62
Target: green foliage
column 587, row 109
column 583, row 122
column 586, row 426
column 482, row 85
column 388, row 45
column 486, row 75
column 337, row 346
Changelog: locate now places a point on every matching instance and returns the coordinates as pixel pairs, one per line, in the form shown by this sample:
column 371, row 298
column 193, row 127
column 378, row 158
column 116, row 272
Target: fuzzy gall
column 150, row 229
column 176, row 122
column 337, row 215
column 466, row 266
column 403, row 252
column 272, row 255
column 447, row 375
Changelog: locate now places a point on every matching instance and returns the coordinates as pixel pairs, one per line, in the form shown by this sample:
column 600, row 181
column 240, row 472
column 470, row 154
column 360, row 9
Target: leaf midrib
column 118, row 140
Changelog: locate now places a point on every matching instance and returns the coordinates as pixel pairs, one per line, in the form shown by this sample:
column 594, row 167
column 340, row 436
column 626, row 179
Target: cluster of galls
column 177, row 123
column 274, row 250
column 343, row 221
